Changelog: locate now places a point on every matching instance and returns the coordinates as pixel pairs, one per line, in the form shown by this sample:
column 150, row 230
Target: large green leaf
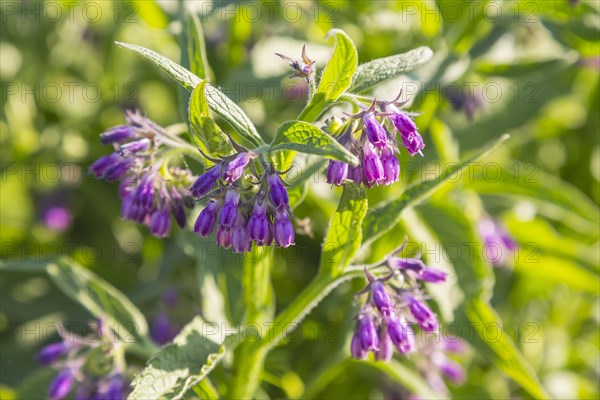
column 95, row 294
column 336, row 77
column 195, row 50
column 306, row 138
column 178, row 367
column 379, row 70
column 382, row 218
column 505, row 354
column 344, row 234
column 205, row 131
column 217, row 100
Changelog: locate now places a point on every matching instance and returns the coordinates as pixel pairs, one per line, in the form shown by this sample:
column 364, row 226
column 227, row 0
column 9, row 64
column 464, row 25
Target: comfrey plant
column 227, row 184
column 87, row 367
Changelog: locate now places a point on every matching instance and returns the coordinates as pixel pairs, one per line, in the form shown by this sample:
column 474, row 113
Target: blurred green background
column 533, row 70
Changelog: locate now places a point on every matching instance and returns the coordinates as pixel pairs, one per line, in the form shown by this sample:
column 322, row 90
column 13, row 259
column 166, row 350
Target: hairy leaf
column 178, row 367
column 217, row 100
column 336, row 77
column 196, row 47
column 307, row 138
column 205, row 131
column 379, row 70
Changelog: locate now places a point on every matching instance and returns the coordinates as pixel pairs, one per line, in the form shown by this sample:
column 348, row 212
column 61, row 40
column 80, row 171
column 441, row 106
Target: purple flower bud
column 52, row 352
column 453, row 344
column 229, row 212
column 135, row 146
column 132, row 211
column 367, row 333
column 118, row 170
column 411, row 138
column 145, row 191
column 206, row 181
column 178, row 210
column 337, row 172
column 160, row 222
column 356, row 348
column 223, row 236
column 278, row 192
column 259, row 225
column 386, row 346
column 450, row 368
column 496, row 241
column 372, row 167
column 375, row 132
column 283, row 231
column 411, row 264
column 117, row 134
column 114, row 388
column 206, row 220
column 58, row 218
column 170, row 297
column 391, row 166
column 424, row 316
column 240, row 241
column 432, row 275
column 401, row 334
column 99, row 167
column 162, row 330
column 380, row 298
column 356, row 174
column 235, row 168
column 61, row 385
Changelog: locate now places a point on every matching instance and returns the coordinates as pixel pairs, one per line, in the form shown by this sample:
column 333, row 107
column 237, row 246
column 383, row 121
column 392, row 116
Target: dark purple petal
column 400, row 334
column 372, row 167
column 135, row 147
column 223, row 236
column 450, row 368
column 412, row 264
column 424, row 316
column 117, row 134
column 283, row 231
column 61, row 385
column 356, row 174
column 205, row 223
column 259, row 225
column 375, row 132
column 432, row 275
column 380, row 298
column 206, row 181
column 240, row 241
column 356, row 348
column 278, row 193
column 160, row 222
column 386, row 347
column 99, row 167
column 162, row 330
column 337, row 172
column 229, row 213
column 367, row 333
column 391, row 166
column 52, row 352
column 235, row 168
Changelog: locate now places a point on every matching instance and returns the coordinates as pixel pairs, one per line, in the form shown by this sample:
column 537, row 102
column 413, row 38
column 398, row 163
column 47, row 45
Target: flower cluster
column 241, row 214
column 384, row 322
column 373, row 140
column 497, row 243
column 437, row 364
column 151, row 190
column 93, row 367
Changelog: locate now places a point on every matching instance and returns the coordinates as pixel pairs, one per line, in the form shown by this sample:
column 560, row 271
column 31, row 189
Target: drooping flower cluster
column 385, row 321
column 374, row 142
column 151, row 190
column 77, row 359
column 437, row 364
column 241, row 214
column 497, row 243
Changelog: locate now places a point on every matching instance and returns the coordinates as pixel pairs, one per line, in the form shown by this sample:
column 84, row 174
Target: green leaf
column 178, row 367
column 381, row 219
column 96, row 295
column 344, row 234
column 222, row 105
column 516, row 69
column 379, row 70
column 101, row 299
column 185, row 78
column 405, row 376
column 205, row 131
column 196, row 47
column 307, row 138
column 336, row 77
column 505, row 354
